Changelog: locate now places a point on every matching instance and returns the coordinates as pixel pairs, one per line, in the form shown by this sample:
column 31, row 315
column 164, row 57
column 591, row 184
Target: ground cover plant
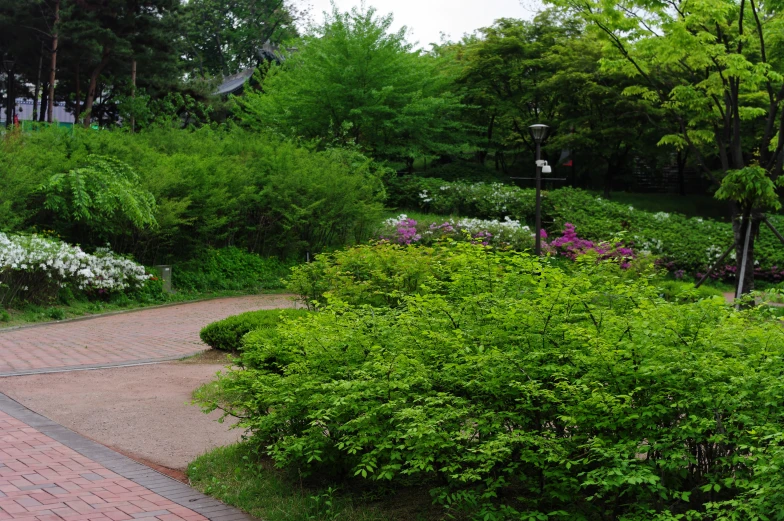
column 515, row 390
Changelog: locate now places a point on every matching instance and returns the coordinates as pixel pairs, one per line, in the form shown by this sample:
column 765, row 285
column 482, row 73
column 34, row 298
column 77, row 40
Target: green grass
column 235, row 476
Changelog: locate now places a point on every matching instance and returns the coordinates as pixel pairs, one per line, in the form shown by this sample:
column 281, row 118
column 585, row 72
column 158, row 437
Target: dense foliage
column 227, row 334
column 355, row 81
column 514, row 390
column 211, row 188
column 682, row 243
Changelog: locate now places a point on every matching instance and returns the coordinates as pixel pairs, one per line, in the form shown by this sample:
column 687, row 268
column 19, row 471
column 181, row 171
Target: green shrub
column 515, row 391
column 227, row 334
column 680, row 291
column 55, row 313
column 4, row 316
column 211, row 187
column 682, row 243
column 377, row 275
column 229, row 269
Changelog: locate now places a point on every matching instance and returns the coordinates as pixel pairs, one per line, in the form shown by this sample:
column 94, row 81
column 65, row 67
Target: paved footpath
column 147, row 335
column 49, row 473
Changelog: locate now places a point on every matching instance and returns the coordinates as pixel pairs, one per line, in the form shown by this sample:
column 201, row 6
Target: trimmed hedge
column 226, row 334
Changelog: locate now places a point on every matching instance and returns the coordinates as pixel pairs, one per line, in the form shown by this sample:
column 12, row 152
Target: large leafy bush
column 515, row 391
column 212, row 188
column 102, row 196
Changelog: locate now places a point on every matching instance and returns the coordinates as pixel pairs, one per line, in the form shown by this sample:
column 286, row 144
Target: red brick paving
column 144, row 335
column 43, row 480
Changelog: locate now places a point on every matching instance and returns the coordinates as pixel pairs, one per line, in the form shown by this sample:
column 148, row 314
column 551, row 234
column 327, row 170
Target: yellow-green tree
column 715, row 67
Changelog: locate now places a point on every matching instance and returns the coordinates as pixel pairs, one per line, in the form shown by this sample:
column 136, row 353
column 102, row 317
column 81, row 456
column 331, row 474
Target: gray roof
column 232, row 84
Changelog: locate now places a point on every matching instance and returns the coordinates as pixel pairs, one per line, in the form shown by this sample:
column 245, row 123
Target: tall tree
column 716, row 67
column 222, row 38
column 353, row 81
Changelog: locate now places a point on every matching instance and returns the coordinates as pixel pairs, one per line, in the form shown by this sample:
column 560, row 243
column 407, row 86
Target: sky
column 427, row 19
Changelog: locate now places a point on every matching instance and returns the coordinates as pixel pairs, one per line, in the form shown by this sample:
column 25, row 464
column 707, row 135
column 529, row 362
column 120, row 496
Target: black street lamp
column 538, row 133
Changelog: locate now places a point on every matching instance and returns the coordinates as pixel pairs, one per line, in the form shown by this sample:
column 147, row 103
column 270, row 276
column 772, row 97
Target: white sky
column 427, row 19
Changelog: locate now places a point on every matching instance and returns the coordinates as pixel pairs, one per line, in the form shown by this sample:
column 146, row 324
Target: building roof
column 233, row 84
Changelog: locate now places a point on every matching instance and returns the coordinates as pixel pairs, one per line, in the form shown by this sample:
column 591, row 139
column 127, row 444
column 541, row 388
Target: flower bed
column 506, row 232
column 685, row 245
column 35, row 267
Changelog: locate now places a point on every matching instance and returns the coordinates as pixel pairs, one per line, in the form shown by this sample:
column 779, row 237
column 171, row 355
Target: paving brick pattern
column 146, row 335
column 49, row 473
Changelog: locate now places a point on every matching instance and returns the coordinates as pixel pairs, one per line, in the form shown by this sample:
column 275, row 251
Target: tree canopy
column 353, row 81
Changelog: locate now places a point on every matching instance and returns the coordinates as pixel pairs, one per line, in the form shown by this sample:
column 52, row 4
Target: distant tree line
column 97, row 55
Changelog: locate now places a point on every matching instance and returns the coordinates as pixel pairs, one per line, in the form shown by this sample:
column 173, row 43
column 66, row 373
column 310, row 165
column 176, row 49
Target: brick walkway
column 43, row 479
column 146, row 335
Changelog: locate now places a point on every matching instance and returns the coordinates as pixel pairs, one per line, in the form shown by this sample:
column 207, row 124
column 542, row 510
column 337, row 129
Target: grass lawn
column 233, row 475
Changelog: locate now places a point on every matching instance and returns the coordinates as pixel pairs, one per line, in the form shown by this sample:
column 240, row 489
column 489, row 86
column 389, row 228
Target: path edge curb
column 154, row 481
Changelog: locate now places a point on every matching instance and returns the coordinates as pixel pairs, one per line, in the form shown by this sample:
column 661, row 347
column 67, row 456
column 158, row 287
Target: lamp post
column 538, row 133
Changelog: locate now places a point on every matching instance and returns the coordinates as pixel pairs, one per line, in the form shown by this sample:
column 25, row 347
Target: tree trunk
column 44, row 101
column 608, row 179
column 681, row 162
column 10, row 101
column 52, row 71
column 38, row 83
column 739, row 229
column 133, row 92
column 88, row 106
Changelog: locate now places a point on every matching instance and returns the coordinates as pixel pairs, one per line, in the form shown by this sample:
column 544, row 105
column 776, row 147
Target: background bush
column 229, row 269
column 515, row 391
column 212, row 188
column 227, row 334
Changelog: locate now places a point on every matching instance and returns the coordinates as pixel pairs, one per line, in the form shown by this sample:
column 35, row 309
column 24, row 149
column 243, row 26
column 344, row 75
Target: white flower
column 68, row 264
column 631, row 208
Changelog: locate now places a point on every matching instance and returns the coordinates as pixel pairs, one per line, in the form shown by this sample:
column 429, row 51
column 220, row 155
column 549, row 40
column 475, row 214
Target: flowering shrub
column 687, row 244
column 506, row 232
column 34, row 266
column 572, row 246
column 482, row 200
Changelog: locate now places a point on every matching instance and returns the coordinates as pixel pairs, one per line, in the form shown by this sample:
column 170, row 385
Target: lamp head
column 538, row 132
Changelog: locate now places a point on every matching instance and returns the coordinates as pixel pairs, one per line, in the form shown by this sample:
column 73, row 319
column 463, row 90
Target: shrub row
column 212, row 187
column 229, row 269
column 683, row 243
